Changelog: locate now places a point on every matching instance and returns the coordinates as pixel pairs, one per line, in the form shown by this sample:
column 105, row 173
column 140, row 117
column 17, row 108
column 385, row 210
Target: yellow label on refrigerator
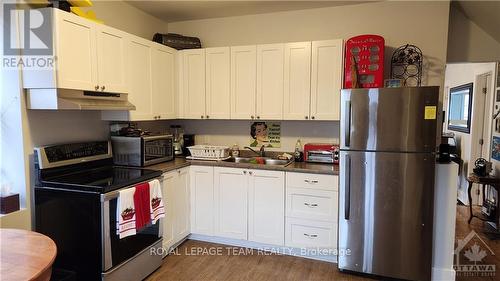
column 430, row 112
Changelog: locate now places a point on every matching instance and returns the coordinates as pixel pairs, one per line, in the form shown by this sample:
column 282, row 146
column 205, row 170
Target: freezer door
column 386, row 213
column 390, row 119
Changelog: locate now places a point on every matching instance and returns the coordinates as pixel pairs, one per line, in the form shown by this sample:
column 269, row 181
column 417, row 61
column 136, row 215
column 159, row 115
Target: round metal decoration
column 406, row 64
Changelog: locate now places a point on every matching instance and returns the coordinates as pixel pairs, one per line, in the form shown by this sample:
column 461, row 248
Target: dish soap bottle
column 235, row 151
column 299, row 153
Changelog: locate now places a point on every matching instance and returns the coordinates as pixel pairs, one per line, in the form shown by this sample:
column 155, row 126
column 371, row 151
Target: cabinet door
column 163, row 82
column 193, row 90
column 218, row 75
column 75, row 47
column 168, row 201
column 297, row 85
column 270, row 82
column 139, row 76
column 266, row 202
column 202, row 200
column 231, row 201
column 326, row 79
column 243, row 82
column 181, row 205
column 111, row 59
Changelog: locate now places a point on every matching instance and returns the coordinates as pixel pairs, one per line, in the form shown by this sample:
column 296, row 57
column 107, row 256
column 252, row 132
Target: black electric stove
column 76, row 198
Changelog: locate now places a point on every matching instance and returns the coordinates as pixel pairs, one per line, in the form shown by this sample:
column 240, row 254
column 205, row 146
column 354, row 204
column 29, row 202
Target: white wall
column 460, row 74
column 467, row 42
column 424, row 24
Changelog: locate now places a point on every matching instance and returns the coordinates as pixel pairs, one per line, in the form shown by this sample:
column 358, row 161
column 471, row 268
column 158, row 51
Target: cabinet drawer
column 310, row 234
column 312, row 204
column 305, row 180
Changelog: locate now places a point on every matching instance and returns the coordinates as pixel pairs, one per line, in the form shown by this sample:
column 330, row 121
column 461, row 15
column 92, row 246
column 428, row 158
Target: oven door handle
column 114, row 194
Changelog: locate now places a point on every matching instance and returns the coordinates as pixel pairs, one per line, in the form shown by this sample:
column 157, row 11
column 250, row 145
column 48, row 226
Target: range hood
column 56, row 99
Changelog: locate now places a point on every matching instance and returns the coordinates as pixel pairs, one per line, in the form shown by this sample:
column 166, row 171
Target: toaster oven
column 321, row 153
column 142, row 150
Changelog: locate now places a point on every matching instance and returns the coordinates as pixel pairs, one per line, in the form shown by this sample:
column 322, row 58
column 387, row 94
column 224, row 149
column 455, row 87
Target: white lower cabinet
column 231, row 201
column 301, row 233
column 202, row 200
column 266, row 207
column 176, row 196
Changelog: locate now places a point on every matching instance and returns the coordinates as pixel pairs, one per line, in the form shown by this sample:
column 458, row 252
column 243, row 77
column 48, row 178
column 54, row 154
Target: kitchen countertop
column 299, row 167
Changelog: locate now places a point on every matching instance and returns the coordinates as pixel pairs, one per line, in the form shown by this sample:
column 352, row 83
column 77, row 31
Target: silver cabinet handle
column 313, row 205
column 311, row 181
column 306, row 117
column 312, row 236
column 250, row 173
column 96, row 87
column 312, row 117
column 102, row 88
column 245, row 172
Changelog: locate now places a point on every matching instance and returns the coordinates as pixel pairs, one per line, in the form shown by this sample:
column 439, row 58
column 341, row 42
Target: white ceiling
column 172, row 11
column 486, row 14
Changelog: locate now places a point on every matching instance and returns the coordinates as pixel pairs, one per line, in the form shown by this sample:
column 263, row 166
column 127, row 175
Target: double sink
column 259, row 161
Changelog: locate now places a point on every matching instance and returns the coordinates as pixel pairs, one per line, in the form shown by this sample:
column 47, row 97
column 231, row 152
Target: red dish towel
column 142, row 209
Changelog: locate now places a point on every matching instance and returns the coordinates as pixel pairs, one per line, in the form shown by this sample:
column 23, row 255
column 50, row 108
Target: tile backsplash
column 229, row 132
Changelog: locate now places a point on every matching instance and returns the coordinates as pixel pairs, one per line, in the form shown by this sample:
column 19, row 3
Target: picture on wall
column 495, row 148
column 266, row 134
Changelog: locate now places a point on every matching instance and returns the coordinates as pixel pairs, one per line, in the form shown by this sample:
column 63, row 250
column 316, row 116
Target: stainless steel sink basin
column 248, row 160
column 276, row 162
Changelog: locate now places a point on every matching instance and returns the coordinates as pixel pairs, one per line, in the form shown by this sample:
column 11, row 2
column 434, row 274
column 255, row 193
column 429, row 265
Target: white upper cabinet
column 231, row 201
column 75, row 48
column 202, row 200
column 266, row 207
column 193, row 88
column 111, row 58
column 243, row 82
column 139, row 77
column 163, row 82
column 218, row 94
column 326, row 79
column 270, row 82
column 297, row 81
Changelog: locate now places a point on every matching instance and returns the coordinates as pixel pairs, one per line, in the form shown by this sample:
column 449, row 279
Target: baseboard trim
column 264, row 248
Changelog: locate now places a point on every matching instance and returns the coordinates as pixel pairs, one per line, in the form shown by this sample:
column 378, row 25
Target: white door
column 75, row 46
column 297, row 85
column 266, row 207
column 202, row 200
column 218, row 104
column 139, row 78
column 326, row 79
column 163, row 82
column 168, row 200
column 111, row 59
column 193, row 90
column 231, row 201
column 181, row 205
column 270, row 82
column 243, row 82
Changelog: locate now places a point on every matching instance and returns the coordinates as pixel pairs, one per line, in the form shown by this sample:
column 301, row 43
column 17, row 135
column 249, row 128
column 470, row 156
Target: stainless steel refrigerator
column 388, row 139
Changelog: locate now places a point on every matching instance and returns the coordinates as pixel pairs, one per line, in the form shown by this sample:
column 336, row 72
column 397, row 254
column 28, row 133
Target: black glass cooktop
column 103, row 179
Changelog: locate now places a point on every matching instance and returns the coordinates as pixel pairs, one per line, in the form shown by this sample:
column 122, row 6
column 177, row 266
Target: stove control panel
column 72, row 153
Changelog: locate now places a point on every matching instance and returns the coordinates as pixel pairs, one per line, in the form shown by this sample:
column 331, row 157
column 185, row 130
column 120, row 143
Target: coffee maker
column 188, row 140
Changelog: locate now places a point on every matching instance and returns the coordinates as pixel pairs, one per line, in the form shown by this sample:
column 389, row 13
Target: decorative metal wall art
column 406, row 64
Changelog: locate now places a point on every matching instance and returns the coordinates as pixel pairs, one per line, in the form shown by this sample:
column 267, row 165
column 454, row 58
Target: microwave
column 143, row 150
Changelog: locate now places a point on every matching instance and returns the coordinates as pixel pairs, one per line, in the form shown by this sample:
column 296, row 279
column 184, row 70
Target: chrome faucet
column 261, row 152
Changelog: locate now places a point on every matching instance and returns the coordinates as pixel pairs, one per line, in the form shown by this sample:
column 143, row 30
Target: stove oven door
column 115, row 250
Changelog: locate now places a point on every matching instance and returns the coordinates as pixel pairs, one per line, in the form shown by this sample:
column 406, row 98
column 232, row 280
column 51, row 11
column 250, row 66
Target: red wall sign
column 364, row 61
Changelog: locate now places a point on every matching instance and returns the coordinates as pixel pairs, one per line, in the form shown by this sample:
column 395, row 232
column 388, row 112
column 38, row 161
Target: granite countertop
column 300, row 167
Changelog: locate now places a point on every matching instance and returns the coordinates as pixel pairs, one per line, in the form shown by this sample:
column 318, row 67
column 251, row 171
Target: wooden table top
column 25, row 255
column 491, row 180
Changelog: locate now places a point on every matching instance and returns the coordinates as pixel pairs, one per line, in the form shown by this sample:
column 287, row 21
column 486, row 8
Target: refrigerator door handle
column 347, row 195
column 347, row 118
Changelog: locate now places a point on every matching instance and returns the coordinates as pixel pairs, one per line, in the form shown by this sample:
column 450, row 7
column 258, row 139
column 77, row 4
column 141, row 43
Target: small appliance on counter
column 177, row 132
column 448, row 149
column 188, row 140
column 482, row 167
column 321, row 153
column 140, row 151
